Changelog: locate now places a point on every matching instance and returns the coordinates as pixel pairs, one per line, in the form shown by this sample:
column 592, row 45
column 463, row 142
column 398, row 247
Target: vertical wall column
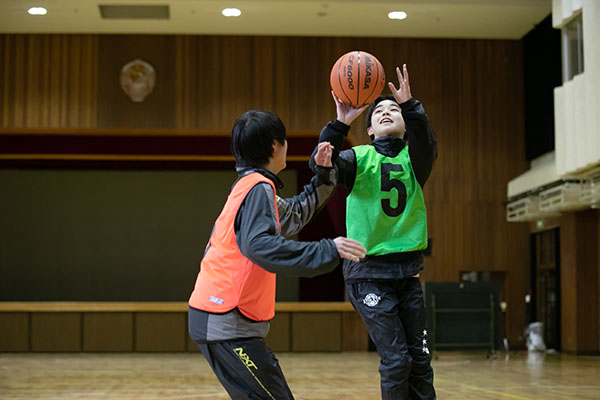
column 579, row 239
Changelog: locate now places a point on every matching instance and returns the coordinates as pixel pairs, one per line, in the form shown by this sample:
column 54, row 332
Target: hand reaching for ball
column 346, row 113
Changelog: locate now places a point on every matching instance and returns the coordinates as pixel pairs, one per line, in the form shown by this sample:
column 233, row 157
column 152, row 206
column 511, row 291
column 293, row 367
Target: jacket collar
column 389, row 146
column 244, row 170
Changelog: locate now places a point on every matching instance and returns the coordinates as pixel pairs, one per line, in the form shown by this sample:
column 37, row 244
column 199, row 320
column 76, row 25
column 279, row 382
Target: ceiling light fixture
column 397, row 15
column 37, row 11
column 231, row 12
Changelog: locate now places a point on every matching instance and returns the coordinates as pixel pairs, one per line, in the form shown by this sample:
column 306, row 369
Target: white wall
column 576, row 108
column 577, row 102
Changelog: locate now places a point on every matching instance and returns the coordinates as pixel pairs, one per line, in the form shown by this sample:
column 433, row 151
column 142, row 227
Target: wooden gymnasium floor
column 322, row 376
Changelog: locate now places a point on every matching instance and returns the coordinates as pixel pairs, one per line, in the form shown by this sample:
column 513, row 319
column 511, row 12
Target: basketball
column 357, row 78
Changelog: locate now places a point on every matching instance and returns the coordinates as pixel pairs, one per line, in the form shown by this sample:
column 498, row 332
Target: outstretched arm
column 295, row 212
column 258, row 238
column 422, row 145
column 335, row 132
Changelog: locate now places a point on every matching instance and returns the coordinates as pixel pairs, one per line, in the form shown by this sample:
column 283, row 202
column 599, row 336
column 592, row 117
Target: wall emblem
column 137, row 79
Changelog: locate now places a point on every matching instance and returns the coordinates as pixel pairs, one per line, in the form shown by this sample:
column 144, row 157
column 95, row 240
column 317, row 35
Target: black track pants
column 247, row 369
column 394, row 314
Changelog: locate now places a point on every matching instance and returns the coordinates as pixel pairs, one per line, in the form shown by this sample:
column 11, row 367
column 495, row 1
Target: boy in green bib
column 385, row 211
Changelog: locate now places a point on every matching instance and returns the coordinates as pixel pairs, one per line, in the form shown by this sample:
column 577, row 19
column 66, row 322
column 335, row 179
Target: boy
column 234, row 295
column 386, row 213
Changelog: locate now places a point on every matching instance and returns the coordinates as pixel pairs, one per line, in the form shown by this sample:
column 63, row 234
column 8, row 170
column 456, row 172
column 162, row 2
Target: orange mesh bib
column 227, row 279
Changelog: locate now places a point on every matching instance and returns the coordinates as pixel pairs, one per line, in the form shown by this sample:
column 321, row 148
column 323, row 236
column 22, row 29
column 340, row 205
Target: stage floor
column 311, row 376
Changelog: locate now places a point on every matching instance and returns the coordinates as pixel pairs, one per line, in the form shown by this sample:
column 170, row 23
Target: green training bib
column 385, row 210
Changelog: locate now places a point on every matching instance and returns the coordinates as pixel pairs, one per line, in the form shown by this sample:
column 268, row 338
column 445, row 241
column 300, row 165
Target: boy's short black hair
column 252, row 137
column 374, row 104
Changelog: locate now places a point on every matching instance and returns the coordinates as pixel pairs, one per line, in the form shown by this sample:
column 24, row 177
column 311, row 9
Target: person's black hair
column 252, row 137
column 374, row 104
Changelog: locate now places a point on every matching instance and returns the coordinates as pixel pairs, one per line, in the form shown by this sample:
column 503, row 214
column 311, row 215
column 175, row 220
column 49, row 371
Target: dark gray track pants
column 247, row 369
column 394, row 313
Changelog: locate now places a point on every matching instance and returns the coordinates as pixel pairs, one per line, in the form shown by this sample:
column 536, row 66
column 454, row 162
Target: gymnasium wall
column 67, row 87
column 579, row 281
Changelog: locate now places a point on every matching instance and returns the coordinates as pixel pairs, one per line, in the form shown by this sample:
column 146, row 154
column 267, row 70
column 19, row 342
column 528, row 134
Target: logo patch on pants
column 245, row 358
column 371, row 299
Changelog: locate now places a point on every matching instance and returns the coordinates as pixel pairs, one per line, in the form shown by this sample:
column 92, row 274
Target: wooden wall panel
column 579, row 281
column 278, row 338
column 354, row 334
column 191, row 345
column 302, row 63
column 56, row 331
column 160, row 331
column 48, row 81
column 317, row 331
column 14, row 331
column 588, row 314
column 568, row 283
column 109, row 331
column 478, row 130
column 217, row 79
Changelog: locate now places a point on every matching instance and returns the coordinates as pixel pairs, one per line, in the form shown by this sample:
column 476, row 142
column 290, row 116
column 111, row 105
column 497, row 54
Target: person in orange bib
column 234, row 295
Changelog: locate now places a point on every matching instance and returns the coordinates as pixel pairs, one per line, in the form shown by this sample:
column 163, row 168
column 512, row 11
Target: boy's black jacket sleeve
column 422, row 145
column 335, row 132
column 259, row 239
column 295, row 212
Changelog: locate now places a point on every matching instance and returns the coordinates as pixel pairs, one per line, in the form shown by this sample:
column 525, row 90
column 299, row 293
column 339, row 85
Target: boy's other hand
column 402, row 94
column 345, row 112
column 323, row 156
column 349, row 248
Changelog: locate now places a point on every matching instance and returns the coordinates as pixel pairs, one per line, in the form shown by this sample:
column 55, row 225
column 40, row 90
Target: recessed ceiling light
column 231, row 12
column 397, row 15
column 37, row 11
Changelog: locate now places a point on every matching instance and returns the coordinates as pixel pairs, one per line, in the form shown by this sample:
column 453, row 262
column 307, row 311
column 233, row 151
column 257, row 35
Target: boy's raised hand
column 323, row 156
column 349, row 248
column 345, row 112
column 402, row 94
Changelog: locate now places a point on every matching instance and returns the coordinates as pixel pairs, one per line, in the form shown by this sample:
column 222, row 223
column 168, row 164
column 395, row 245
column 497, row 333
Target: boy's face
column 387, row 120
column 278, row 160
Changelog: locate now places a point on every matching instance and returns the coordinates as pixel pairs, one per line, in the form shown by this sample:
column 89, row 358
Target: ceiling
column 490, row 19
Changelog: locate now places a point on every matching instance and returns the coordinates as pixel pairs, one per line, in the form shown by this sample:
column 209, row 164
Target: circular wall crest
column 137, row 79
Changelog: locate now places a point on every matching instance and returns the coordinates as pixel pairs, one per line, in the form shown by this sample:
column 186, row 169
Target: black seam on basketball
column 358, row 79
column 342, row 86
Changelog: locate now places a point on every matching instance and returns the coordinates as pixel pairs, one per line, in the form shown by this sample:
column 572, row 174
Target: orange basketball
column 357, row 78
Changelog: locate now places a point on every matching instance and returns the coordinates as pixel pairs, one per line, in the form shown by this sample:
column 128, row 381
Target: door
column 546, row 285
